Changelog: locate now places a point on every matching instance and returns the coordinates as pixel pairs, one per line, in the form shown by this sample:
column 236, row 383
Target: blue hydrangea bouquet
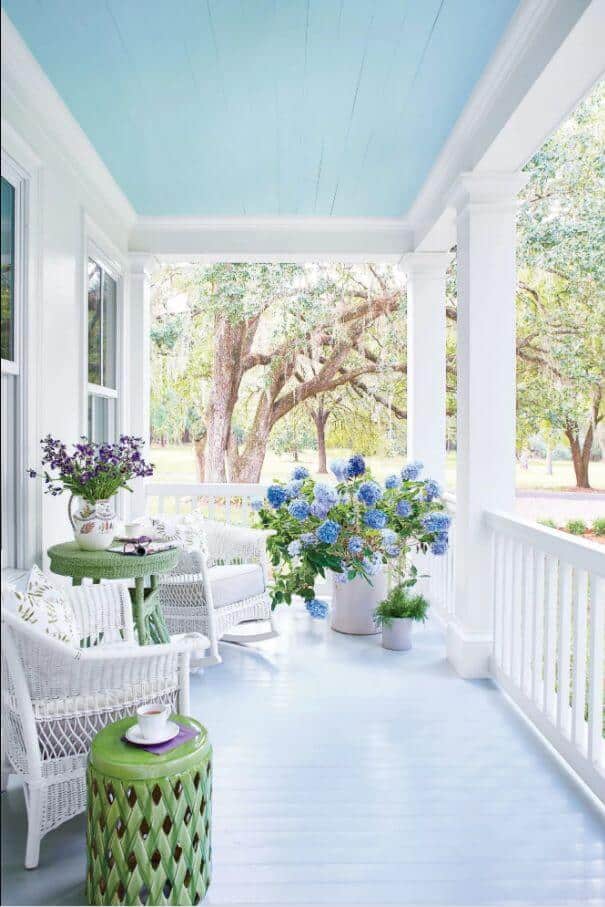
column 352, row 528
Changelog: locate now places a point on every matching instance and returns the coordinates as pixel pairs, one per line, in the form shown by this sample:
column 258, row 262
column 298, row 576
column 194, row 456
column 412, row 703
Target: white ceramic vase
column 397, row 634
column 94, row 525
column 353, row 604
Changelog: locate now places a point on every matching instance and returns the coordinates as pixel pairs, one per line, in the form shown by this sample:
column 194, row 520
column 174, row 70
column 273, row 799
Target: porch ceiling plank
column 314, row 108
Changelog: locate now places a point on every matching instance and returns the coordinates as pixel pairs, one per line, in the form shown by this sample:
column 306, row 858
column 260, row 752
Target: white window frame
column 21, row 167
column 99, row 248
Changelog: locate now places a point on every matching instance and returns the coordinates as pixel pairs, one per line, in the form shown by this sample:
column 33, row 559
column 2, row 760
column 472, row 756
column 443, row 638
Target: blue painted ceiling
column 265, row 107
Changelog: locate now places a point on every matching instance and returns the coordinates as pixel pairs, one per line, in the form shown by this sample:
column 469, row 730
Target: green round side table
column 148, row 820
column 68, row 559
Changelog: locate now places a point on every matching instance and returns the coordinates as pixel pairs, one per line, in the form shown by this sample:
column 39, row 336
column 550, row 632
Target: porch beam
column 426, row 359
column 486, row 431
column 138, row 360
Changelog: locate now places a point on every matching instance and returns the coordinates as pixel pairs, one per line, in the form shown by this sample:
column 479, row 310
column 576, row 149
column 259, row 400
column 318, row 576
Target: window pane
column 109, row 330
column 7, row 257
column 94, row 323
column 101, row 419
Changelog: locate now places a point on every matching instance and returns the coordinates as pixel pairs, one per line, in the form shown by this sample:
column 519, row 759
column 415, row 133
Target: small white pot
column 398, row 634
column 353, row 605
column 94, row 525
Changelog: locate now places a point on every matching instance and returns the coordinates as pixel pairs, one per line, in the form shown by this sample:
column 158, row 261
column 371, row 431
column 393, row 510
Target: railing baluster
column 498, row 597
column 597, row 654
column 515, row 614
column 564, row 650
column 538, row 631
column 527, row 624
column 550, row 635
column 580, row 616
column 228, row 509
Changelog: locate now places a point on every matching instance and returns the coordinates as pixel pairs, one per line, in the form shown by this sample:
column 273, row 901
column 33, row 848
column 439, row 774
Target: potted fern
column 397, row 613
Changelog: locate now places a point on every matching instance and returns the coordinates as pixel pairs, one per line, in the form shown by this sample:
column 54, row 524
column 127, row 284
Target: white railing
column 440, row 585
column 548, row 599
column 219, row 501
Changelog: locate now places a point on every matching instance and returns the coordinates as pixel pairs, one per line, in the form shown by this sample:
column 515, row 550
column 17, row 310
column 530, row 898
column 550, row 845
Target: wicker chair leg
column 34, row 797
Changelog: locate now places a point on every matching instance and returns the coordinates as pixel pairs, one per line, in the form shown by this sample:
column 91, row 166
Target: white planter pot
column 398, row 634
column 353, row 605
column 94, row 525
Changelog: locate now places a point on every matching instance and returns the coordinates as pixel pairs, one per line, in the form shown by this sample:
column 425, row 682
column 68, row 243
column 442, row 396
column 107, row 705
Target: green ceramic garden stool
column 148, row 820
column 68, row 559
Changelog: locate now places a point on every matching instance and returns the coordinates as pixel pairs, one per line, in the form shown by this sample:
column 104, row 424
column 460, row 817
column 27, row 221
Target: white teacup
column 153, row 719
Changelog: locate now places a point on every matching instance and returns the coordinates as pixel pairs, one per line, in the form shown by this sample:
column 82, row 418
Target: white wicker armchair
column 56, row 697
column 218, row 588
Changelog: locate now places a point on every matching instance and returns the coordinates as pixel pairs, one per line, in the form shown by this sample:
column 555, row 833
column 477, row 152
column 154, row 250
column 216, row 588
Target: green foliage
column 400, row 602
column 598, row 526
column 576, row 527
column 548, row 522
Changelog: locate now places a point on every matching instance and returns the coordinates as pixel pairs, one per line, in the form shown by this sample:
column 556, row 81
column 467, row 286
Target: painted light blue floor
column 345, row 774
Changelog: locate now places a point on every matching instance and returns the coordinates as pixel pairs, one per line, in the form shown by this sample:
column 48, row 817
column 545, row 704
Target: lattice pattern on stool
column 149, row 841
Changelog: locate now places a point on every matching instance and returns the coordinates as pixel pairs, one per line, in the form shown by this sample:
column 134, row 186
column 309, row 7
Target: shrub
column 548, row 522
column 400, row 603
column 598, row 526
column 576, row 527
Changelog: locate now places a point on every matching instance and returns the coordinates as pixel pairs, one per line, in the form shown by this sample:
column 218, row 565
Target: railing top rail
column 205, row 489
column 578, row 552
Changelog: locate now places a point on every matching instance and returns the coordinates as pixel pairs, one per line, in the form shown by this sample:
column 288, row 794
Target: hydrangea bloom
column 292, row 488
column 403, row 509
column 372, row 565
column 389, row 537
column 411, row 471
column 319, row 509
column 325, row 494
column 316, row 608
column 369, row 493
column 299, row 509
column 439, row 547
column 276, row 496
column 355, row 545
column 339, row 469
column 436, row 522
column 308, row 538
column 432, row 490
column 355, row 466
column 392, row 482
column 294, row 548
column 341, row 578
column 257, row 504
column 300, row 472
column 375, row 519
column 328, row 532
column 392, row 550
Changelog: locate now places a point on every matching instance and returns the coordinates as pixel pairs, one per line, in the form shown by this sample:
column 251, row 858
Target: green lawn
column 176, row 464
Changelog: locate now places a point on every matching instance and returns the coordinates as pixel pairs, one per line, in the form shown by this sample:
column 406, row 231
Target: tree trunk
column 549, row 460
column 199, row 448
column 226, row 379
column 580, row 454
column 320, row 418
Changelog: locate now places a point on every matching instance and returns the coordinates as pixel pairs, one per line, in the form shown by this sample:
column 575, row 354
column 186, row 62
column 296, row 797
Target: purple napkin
column 185, row 733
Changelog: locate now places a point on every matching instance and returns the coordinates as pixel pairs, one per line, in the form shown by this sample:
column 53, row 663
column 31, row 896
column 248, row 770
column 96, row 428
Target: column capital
column 141, row 263
column 426, row 264
column 487, row 189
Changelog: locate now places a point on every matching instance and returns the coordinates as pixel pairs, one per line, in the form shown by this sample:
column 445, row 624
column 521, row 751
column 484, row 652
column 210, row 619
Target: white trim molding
column 30, row 88
column 272, row 238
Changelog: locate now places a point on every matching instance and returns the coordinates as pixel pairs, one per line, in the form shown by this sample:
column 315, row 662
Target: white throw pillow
column 45, row 606
column 187, row 531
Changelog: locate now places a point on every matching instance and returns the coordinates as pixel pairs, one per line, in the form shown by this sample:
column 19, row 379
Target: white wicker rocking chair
column 220, row 587
column 56, row 697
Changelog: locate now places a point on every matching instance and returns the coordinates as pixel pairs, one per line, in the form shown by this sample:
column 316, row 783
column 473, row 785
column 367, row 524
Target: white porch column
column 138, row 346
column 485, row 474
column 426, row 359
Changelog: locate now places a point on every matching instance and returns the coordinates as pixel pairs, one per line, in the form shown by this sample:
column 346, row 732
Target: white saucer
column 134, row 735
